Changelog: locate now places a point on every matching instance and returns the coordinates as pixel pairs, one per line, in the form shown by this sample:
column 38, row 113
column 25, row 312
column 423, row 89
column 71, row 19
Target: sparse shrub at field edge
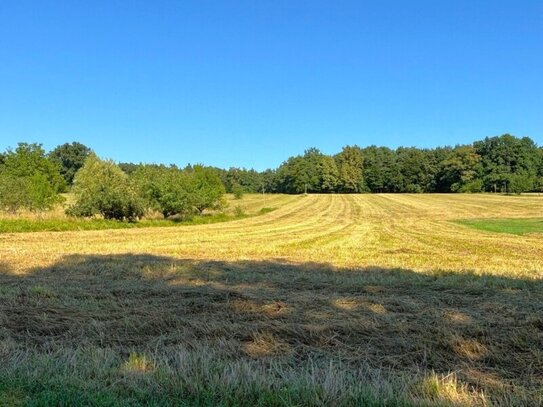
column 239, row 212
column 238, row 191
column 473, row 186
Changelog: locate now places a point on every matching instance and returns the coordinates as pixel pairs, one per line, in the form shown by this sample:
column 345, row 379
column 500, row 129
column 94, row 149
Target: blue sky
column 249, row 83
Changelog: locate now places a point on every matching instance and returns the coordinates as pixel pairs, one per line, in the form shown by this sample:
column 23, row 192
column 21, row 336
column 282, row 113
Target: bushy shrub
column 239, row 212
column 413, row 189
column 206, row 189
column 164, row 189
column 473, row 186
column 102, row 188
column 238, row 191
column 29, row 180
column 41, row 194
column 538, row 185
column 520, row 182
column 13, row 193
column 172, row 191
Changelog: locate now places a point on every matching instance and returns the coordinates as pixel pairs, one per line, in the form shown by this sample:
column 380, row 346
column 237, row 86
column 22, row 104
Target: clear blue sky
column 249, row 83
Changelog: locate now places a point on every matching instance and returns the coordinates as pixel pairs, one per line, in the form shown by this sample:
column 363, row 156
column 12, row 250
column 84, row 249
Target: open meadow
column 383, row 299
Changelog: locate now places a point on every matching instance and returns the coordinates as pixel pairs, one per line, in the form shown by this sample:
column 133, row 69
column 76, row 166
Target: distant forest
column 496, row 164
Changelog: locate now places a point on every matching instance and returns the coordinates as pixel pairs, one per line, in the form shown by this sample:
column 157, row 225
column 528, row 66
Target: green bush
column 172, row 191
column 473, row 186
column 413, row 189
column 29, row 180
column 41, row 194
column 29, row 159
column 164, row 189
column 239, row 212
column 102, row 188
column 70, row 158
column 238, row 191
column 13, row 193
column 206, row 189
column 520, row 182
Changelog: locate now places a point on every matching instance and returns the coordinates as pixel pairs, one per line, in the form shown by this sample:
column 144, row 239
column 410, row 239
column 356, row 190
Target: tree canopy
column 102, row 188
column 29, row 179
column 70, row 157
column 32, row 179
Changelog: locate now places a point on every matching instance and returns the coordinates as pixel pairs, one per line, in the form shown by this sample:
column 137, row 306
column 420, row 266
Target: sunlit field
column 316, row 300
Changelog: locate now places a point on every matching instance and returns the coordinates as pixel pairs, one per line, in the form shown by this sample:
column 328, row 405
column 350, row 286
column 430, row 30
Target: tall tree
column 301, row 173
column 206, row 189
column 415, row 167
column 351, row 173
column 30, row 159
column 503, row 156
column 102, row 188
column 460, row 170
column 329, row 181
column 28, row 179
column 70, row 157
column 381, row 170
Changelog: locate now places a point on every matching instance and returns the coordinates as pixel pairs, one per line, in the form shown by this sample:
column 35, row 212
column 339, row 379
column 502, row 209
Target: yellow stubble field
column 354, row 297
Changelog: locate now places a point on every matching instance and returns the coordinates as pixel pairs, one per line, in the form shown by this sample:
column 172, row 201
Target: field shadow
column 487, row 329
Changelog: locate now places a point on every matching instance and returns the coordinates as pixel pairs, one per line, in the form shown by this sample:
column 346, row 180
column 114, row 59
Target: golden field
column 352, row 299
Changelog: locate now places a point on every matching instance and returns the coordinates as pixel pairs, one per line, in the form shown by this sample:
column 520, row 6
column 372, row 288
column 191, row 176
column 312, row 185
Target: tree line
column 495, row 164
column 31, row 178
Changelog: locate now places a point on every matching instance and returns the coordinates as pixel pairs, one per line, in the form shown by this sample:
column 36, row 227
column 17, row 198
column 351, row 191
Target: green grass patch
column 266, row 210
column 511, row 226
column 74, row 224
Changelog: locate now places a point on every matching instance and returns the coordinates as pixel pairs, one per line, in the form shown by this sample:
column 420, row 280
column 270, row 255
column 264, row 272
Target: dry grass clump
column 328, row 300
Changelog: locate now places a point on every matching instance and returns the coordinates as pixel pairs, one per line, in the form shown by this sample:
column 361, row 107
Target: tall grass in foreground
column 201, row 377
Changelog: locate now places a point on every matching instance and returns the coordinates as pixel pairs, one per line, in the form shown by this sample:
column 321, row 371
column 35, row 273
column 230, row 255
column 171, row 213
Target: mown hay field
column 326, row 300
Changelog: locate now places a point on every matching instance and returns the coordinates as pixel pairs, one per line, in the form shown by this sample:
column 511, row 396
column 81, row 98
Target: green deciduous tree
column 42, row 195
column 351, row 173
column 29, row 159
column 70, row 157
column 329, row 179
column 28, row 179
column 381, row 170
column 506, row 155
column 301, row 173
column 13, row 193
column 164, row 189
column 102, row 188
column 460, row 169
column 416, row 169
column 521, row 182
column 206, row 189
